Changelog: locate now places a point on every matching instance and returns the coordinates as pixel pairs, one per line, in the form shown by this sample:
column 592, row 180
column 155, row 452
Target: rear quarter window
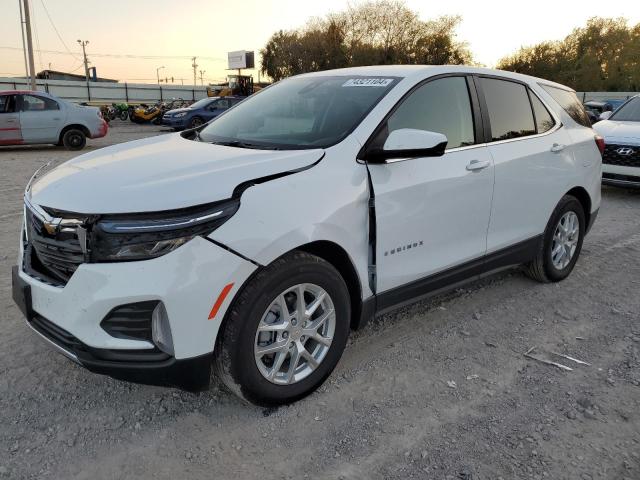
column 569, row 103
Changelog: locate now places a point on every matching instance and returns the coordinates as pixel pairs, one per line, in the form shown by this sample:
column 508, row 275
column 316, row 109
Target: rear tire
column 74, row 139
column 561, row 244
column 124, row 115
column 297, row 364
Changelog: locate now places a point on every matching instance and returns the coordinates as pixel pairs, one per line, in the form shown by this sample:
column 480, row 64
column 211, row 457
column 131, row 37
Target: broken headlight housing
column 143, row 236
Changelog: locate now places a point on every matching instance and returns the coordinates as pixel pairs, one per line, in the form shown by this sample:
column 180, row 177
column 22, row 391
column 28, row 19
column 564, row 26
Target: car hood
column 159, row 173
column 618, row 131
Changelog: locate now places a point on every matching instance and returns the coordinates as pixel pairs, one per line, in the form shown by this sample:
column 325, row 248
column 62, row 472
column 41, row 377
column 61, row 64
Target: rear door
column 41, row 119
column 10, row 133
column 532, row 157
column 432, row 213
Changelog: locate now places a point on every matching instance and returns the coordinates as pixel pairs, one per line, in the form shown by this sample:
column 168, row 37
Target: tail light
column 600, row 144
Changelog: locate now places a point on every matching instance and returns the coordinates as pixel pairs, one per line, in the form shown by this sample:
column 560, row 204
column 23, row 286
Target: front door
column 9, row 121
column 432, row 213
column 41, row 119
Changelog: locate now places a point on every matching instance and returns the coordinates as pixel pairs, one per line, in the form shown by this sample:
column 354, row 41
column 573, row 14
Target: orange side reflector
column 216, row 306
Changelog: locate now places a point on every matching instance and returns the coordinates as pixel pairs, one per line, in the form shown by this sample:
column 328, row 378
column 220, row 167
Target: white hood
column 159, row 173
column 613, row 131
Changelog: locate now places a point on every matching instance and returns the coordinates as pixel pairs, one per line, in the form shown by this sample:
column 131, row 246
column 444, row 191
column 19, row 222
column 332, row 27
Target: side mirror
column 605, row 115
column 409, row 143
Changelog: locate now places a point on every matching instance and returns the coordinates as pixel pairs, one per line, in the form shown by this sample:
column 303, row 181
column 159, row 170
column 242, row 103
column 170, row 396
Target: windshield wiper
column 240, row 144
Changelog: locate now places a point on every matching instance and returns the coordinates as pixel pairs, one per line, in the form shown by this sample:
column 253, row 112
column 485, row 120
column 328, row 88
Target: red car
column 33, row 117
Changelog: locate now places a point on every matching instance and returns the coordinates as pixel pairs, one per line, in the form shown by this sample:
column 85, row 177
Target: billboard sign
column 240, row 59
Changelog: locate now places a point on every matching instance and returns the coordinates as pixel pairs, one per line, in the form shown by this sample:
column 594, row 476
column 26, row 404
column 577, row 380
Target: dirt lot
column 438, row 390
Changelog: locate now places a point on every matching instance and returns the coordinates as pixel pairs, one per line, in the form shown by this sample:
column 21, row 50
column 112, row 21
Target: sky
column 170, row 32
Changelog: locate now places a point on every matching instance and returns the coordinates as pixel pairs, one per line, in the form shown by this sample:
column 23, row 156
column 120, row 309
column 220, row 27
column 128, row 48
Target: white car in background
column 621, row 133
column 33, row 117
column 256, row 242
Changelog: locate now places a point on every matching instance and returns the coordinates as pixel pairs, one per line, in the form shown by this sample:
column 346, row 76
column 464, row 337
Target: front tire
column 195, row 122
column 561, row 243
column 74, row 139
column 268, row 352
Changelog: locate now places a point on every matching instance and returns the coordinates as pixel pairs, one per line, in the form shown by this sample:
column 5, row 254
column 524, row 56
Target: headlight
column 181, row 114
column 150, row 235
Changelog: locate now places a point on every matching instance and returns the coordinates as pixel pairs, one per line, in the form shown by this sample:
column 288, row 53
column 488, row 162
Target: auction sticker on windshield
column 367, row 82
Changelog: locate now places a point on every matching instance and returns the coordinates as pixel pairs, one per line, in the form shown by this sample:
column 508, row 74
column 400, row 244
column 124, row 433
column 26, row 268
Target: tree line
column 382, row 32
column 604, row 55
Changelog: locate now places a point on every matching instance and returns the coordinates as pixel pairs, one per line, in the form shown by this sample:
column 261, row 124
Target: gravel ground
column 437, row 390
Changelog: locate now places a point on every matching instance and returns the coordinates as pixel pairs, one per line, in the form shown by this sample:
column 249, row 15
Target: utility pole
column 32, row 67
column 195, row 66
column 86, row 65
column 202, row 72
column 24, row 44
column 158, row 73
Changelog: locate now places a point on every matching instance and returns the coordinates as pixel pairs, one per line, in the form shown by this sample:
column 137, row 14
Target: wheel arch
column 71, row 126
column 585, row 200
column 339, row 258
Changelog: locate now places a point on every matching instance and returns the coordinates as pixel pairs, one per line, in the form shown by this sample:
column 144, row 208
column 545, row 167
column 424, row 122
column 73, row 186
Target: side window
column 7, row 103
column 4, row 103
column 442, row 106
column 509, row 109
column 544, row 120
column 33, row 103
column 222, row 104
column 570, row 103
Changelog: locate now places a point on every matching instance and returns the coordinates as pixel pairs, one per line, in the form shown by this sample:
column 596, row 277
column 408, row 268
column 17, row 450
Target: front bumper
column 187, row 281
column 174, row 122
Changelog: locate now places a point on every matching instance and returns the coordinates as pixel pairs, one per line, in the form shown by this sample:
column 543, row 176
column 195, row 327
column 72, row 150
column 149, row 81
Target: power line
column 116, row 55
column 56, row 30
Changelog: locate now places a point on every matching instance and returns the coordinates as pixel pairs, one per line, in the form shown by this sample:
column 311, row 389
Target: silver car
column 32, row 117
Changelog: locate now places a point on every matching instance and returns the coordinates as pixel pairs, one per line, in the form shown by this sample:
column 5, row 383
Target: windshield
column 201, row 103
column 629, row 112
column 300, row 112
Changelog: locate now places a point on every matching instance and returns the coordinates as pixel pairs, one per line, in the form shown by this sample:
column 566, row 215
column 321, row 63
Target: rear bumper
column 102, row 130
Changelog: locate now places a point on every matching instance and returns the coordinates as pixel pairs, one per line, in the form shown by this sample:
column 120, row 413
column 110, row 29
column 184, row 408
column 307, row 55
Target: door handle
column 475, row 165
column 557, row 147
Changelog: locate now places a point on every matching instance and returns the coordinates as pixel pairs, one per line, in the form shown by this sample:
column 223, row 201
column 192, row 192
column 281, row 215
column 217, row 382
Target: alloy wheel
column 295, row 334
column 565, row 240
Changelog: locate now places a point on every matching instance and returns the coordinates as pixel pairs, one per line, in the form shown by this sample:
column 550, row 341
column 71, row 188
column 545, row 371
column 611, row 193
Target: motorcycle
column 144, row 114
column 122, row 110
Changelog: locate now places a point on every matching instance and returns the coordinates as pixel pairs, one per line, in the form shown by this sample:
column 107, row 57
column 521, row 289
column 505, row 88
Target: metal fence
column 102, row 92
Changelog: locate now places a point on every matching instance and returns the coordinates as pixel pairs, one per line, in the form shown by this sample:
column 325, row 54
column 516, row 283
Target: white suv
column 255, row 243
column 621, row 133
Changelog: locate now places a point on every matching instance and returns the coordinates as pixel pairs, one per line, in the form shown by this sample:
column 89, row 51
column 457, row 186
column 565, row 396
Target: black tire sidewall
column 566, row 204
column 66, row 139
column 195, row 122
column 245, row 320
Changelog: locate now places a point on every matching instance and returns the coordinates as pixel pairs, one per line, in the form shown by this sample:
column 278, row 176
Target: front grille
column 55, row 255
column 612, row 155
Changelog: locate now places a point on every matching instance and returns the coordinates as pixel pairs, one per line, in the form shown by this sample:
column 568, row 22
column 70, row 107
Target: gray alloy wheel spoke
column 271, row 348
column 565, row 240
column 289, row 346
